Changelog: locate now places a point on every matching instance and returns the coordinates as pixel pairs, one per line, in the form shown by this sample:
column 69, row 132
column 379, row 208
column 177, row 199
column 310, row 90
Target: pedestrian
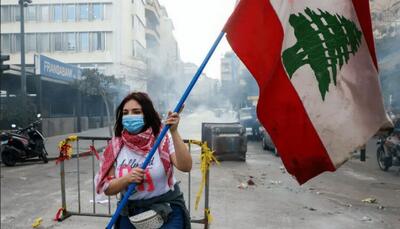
column 157, row 193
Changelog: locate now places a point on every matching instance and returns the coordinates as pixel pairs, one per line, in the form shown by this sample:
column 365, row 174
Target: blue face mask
column 133, row 123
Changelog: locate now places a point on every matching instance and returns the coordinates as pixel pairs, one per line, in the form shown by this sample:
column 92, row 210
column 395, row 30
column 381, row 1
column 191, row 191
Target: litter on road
column 369, row 200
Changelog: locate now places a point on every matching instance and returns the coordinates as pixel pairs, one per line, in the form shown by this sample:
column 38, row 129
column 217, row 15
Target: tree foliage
column 94, row 82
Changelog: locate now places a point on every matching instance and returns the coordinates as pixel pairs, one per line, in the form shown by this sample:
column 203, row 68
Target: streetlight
column 22, row 4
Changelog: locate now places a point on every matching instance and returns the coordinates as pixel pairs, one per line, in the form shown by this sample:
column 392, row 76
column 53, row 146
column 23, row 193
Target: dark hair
column 150, row 115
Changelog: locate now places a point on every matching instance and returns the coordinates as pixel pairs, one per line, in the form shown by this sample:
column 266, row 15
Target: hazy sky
column 197, row 25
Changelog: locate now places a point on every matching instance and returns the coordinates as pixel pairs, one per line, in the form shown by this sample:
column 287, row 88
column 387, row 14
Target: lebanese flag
column 314, row 62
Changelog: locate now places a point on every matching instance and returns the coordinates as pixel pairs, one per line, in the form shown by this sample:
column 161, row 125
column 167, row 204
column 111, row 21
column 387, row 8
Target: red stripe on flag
column 255, row 34
column 364, row 17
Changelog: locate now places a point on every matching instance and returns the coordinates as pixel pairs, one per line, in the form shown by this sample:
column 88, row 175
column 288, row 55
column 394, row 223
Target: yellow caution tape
column 65, row 148
column 208, row 215
column 206, row 157
column 72, row 138
column 37, row 222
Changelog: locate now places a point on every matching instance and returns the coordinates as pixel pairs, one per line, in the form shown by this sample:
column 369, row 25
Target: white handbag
column 147, row 220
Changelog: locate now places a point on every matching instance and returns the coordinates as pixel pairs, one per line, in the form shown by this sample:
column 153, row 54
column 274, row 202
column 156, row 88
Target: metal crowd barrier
column 65, row 213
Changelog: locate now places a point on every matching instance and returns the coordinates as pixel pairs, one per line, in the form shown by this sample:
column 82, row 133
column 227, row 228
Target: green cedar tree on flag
column 315, row 64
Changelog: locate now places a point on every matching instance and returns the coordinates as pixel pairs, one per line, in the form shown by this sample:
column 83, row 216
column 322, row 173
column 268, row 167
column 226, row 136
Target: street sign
column 54, row 69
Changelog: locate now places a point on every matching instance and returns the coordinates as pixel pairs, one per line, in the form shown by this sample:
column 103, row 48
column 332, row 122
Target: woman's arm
column 181, row 159
column 118, row 184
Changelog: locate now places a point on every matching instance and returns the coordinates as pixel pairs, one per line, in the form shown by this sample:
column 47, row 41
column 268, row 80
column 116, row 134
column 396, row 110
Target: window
column 97, row 41
column 138, row 50
column 84, row 42
column 83, row 12
column 30, row 13
column 57, row 13
column 107, row 11
column 44, row 13
column 108, row 40
column 5, row 43
column 16, row 43
column 57, row 42
column 71, row 41
column 17, row 13
column 97, row 12
column 138, row 25
column 30, row 42
column 43, row 42
column 71, row 15
column 5, row 13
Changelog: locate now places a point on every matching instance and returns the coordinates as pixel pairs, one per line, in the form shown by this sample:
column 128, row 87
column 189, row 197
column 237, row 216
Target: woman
column 136, row 129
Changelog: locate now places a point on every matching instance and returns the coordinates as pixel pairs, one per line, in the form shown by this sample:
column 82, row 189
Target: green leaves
column 95, row 83
column 325, row 42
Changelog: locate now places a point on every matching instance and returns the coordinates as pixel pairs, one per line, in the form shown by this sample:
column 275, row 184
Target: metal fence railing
column 85, row 167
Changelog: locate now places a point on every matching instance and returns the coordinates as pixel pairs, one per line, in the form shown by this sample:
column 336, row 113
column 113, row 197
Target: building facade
column 164, row 65
column 130, row 39
column 237, row 84
column 112, row 36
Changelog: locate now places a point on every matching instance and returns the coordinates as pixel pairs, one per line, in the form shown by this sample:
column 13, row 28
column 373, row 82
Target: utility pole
column 22, row 4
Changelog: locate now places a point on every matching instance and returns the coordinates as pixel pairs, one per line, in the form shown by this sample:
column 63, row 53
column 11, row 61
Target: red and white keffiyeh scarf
column 139, row 143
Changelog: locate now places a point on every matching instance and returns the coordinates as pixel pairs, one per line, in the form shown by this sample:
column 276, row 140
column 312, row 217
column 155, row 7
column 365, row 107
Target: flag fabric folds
column 314, row 62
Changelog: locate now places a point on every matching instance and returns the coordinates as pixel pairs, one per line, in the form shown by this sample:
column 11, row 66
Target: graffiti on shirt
column 126, row 167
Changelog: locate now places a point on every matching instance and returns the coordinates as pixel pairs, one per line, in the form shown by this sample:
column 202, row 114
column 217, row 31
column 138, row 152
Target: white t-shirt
column 155, row 180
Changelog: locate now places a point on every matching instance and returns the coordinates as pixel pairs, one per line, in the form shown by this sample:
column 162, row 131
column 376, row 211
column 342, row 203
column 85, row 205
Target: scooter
column 23, row 144
column 388, row 151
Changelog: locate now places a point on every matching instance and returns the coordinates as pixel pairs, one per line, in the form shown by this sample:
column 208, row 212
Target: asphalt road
column 332, row 200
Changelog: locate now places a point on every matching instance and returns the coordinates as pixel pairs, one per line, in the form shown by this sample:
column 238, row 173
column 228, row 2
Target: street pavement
column 332, row 200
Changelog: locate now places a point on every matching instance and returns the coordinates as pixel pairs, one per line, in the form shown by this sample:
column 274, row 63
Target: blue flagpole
column 165, row 129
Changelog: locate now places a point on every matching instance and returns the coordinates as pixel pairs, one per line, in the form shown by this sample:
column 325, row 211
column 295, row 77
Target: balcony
column 152, row 15
column 152, row 23
column 153, row 6
column 152, row 41
column 153, row 33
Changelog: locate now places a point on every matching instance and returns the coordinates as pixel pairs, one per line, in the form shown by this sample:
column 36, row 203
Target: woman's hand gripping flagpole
column 166, row 128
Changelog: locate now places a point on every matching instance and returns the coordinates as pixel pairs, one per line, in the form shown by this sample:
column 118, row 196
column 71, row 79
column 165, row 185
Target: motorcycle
column 388, row 151
column 23, row 144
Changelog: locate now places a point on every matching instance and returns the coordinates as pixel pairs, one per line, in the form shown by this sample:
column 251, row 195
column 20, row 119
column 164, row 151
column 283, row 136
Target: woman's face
column 132, row 107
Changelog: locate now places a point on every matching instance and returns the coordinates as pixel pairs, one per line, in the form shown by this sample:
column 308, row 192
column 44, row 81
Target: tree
column 93, row 82
column 324, row 42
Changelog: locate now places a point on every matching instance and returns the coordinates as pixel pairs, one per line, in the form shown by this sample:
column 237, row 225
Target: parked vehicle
column 23, row 144
column 266, row 141
column 388, row 151
column 248, row 118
